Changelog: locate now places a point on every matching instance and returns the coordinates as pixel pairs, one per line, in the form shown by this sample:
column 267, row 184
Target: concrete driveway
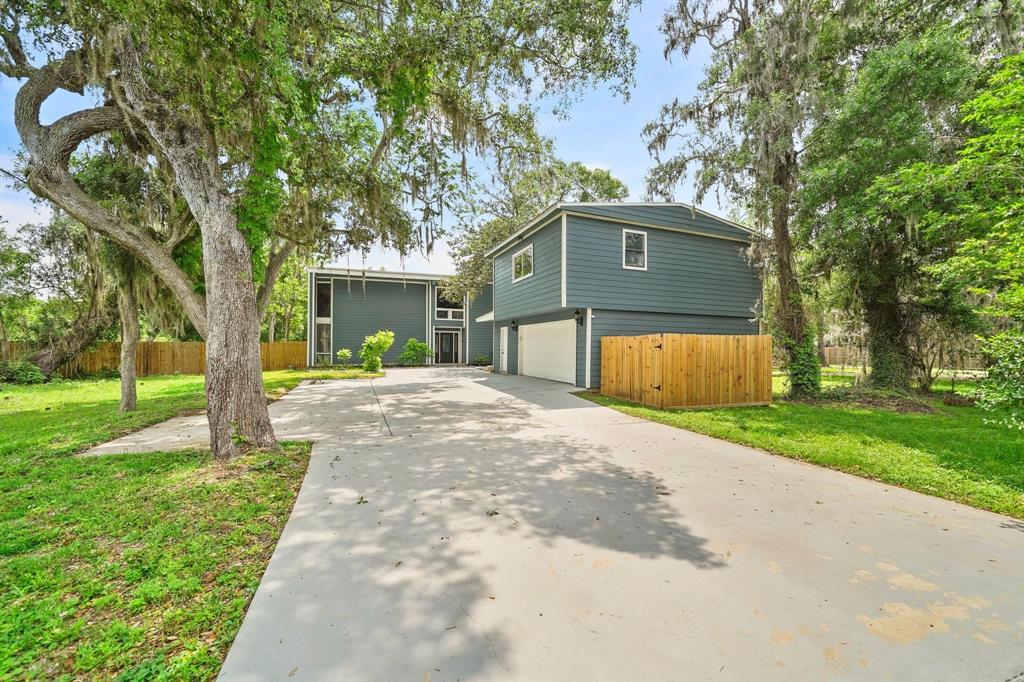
column 459, row 525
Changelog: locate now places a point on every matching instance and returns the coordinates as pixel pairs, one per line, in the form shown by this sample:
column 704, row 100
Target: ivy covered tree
column 974, row 202
column 325, row 125
column 900, row 109
column 520, row 190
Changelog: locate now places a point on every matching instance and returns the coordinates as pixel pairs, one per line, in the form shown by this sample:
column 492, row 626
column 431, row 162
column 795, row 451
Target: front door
column 503, row 351
column 446, row 348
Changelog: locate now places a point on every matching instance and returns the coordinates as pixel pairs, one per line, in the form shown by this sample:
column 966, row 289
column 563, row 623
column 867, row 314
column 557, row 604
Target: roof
column 582, row 207
column 378, row 274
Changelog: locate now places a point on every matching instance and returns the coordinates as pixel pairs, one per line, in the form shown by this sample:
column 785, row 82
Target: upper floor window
column 522, row 264
column 634, row 250
column 447, row 309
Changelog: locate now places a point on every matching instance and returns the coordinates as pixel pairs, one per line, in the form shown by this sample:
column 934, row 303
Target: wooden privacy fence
column 177, row 357
column 688, row 370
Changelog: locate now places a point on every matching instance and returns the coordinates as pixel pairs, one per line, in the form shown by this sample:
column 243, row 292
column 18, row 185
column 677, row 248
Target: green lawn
column 134, row 565
column 950, row 452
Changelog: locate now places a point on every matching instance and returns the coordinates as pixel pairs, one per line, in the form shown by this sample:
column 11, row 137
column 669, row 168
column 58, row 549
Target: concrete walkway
column 457, row 525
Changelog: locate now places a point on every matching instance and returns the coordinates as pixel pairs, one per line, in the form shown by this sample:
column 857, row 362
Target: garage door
column 548, row 350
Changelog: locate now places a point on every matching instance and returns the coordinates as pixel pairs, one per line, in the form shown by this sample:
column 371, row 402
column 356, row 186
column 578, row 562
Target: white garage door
column 548, row 350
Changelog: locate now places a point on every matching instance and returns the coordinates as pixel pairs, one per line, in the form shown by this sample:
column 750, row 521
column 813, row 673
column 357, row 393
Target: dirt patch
column 892, row 401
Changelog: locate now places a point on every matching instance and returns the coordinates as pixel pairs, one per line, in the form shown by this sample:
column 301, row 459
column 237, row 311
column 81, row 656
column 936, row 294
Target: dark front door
column 445, row 345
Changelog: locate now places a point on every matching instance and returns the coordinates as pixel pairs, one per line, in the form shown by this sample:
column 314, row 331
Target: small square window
column 522, row 264
column 634, row 250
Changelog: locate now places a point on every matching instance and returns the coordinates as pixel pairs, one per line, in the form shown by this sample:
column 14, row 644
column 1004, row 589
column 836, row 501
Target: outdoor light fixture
column 579, row 316
column 515, row 325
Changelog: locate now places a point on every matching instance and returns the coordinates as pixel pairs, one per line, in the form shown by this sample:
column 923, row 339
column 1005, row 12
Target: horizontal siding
column 626, row 323
column 362, row 308
column 537, row 294
column 480, row 341
column 679, row 217
column 686, row 274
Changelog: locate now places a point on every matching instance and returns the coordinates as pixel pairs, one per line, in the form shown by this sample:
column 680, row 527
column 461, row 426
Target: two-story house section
column 580, row 271
column 346, row 305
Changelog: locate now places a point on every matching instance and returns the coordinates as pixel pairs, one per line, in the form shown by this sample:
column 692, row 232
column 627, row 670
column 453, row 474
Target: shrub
column 804, row 369
column 374, row 347
column 481, row 360
column 415, row 352
column 17, row 372
column 344, row 355
column 1003, row 391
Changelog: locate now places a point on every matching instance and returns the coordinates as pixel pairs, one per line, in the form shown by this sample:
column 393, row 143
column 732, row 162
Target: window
column 634, row 250
column 448, row 310
column 323, row 322
column 522, row 264
column 323, row 299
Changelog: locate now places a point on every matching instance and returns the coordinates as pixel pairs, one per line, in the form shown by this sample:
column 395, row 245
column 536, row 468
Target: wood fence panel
column 688, row 370
column 176, row 357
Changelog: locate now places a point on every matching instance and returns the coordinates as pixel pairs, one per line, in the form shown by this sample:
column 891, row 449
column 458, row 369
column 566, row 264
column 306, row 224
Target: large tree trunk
column 790, row 312
column 889, row 355
column 236, row 404
column 128, row 306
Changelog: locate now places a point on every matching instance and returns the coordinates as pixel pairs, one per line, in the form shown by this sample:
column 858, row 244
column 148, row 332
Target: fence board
column 176, row 357
column 687, row 370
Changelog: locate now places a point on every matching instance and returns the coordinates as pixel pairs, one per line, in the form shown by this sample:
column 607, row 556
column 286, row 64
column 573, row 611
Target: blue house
column 346, row 305
column 580, row 271
column 575, row 273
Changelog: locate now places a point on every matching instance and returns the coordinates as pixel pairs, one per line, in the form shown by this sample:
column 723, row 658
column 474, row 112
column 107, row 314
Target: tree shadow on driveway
column 433, row 552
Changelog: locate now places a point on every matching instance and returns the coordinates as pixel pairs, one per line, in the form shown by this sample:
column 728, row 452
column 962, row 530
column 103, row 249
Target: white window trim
column 626, row 231
column 324, row 320
column 533, row 265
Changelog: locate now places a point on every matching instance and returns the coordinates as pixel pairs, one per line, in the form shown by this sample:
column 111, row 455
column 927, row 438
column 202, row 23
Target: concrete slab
column 492, row 527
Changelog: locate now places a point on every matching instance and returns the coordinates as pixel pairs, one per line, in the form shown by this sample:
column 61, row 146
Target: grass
column 950, row 452
column 138, row 566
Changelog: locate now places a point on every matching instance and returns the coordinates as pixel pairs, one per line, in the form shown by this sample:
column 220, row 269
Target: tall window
column 634, row 250
column 323, row 322
column 447, row 309
column 522, row 264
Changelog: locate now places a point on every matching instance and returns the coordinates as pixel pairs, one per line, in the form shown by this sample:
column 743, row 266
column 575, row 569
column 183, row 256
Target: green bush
column 1003, row 390
column 17, row 372
column 344, row 355
column 481, row 360
column 374, row 347
column 415, row 352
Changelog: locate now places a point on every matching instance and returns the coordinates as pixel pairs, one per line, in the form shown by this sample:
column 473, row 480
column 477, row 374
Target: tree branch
column 274, row 264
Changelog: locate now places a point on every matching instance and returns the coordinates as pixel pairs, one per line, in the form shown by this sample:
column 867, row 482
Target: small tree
column 415, row 352
column 344, row 355
column 374, row 347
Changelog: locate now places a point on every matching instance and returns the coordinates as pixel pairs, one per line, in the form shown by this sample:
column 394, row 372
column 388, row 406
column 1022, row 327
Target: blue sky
column 602, row 130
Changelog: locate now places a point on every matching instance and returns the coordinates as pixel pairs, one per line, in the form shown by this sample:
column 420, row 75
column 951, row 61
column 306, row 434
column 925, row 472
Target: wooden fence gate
column 688, row 370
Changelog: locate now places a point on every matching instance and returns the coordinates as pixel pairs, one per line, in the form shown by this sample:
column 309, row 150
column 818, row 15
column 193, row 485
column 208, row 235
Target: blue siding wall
column 537, row 294
column 361, row 308
column 627, row 323
column 685, row 273
column 480, row 333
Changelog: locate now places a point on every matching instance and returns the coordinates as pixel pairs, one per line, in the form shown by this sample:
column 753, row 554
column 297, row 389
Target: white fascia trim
column 412, row 277
column 538, row 223
column 486, row 317
column 682, row 204
column 626, row 231
column 563, row 259
column 590, row 351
